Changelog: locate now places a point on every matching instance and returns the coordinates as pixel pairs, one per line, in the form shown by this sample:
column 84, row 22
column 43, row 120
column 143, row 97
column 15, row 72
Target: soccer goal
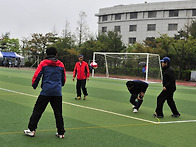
column 127, row 65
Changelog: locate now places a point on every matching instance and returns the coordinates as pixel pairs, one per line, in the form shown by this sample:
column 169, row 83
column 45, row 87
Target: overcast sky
column 24, row 17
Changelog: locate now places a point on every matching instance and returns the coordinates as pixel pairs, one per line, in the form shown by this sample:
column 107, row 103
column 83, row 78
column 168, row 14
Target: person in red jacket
column 81, row 70
column 52, row 72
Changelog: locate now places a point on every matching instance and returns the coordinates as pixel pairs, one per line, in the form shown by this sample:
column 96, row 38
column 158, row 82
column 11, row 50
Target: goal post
column 128, row 64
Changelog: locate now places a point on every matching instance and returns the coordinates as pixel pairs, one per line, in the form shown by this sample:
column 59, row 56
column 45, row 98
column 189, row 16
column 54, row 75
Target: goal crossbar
column 112, row 53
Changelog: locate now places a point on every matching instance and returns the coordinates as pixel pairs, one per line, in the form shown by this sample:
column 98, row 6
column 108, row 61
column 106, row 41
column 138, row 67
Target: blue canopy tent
column 12, row 56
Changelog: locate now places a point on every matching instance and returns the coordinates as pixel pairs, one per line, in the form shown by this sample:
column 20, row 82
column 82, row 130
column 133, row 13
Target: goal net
column 127, row 65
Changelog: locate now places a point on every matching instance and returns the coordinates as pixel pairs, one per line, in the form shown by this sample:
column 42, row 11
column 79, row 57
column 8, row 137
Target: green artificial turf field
column 105, row 119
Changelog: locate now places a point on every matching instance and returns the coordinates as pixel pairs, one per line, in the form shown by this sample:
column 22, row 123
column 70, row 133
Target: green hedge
column 28, row 64
column 185, row 75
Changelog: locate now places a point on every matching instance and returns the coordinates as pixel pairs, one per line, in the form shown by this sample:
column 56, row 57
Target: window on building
column 172, row 27
column 194, row 12
column 117, row 29
column 105, row 18
column 117, row 16
column 132, row 28
column 150, row 38
column 152, row 14
column 133, row 15
column 104, row 29
column 173, row 13
column 151, row 27
column 132, row 40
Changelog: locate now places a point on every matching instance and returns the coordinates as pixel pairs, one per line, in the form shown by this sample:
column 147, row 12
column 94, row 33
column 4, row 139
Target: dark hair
column 51, row 51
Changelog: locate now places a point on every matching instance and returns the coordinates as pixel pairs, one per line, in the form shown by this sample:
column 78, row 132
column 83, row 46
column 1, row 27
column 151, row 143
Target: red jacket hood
column 52, row 62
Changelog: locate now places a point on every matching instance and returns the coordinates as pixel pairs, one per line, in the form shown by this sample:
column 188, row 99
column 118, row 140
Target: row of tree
column 181, row 48
column 7, row 44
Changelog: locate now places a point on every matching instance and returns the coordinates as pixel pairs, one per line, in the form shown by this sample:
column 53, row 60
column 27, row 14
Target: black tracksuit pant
column 40, row 106
column 163, row 96
column 133, row 101
column 81, row 84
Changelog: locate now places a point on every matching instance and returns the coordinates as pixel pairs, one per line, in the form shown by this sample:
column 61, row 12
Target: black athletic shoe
column 155, row 115
column 178, row 115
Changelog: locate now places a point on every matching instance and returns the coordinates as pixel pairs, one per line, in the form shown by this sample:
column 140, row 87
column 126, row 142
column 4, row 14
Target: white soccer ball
column 94, row 65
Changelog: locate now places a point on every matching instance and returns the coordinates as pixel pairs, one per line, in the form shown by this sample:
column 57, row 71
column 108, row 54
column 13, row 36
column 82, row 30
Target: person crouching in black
column 137, row 89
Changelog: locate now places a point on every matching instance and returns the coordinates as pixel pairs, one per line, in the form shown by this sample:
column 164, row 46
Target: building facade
column 139, row 22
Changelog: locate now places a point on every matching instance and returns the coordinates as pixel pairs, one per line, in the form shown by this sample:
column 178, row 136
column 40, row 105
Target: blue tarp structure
column 10, row 55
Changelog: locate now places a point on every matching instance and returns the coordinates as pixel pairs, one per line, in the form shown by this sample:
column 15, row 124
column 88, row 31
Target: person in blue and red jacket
column 52, row 72
column 81, row 70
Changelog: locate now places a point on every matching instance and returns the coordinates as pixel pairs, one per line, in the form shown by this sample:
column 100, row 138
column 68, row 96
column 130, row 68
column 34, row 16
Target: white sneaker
column 59, row 136
column 133, row 106
column 135, row 111
column 29, row 133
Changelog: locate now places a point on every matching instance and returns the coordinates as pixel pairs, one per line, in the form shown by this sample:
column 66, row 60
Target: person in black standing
column 169, row 87
column 137, row 89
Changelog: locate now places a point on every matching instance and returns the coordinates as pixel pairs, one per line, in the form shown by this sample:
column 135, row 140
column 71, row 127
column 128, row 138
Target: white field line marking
column 174, row 122
column 17, row 92
column 95, row 109
column 110, row 112
column 105, row 111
